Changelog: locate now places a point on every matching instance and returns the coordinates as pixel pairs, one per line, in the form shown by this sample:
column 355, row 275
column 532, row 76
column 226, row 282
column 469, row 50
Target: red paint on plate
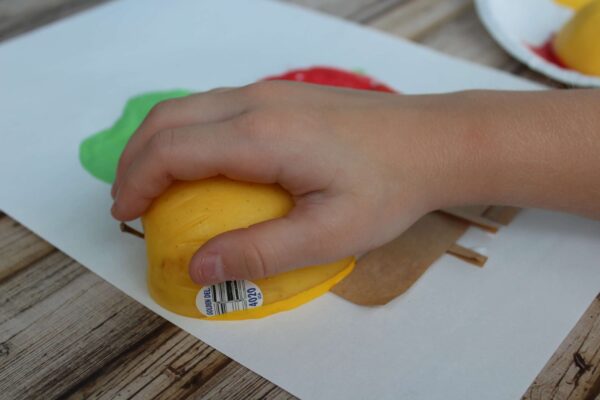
column 546, row 51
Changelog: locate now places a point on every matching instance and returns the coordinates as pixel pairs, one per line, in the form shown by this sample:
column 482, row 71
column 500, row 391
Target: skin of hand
column 361, row 166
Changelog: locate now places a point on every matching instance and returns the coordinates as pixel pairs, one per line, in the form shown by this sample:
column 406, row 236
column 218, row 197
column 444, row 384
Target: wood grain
column 573, row 372
column 414, row 19
column 238, row 383
column 20, row 294
column 171, row 363
column 20, row 16
column 465, row 37
column 452, row 27
column 18, row 247
column 354, row 10
column 60, row 323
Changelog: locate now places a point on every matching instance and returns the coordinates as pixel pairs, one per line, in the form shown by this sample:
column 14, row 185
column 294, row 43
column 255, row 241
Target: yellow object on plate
column 574, row 4
column 190, row 213
column 577, row 44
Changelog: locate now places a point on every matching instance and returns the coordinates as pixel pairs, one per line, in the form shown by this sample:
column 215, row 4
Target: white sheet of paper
column 460, row 332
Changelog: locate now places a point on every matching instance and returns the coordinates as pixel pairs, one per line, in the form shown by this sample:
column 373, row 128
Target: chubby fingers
column 212, row 106
column 192, row 153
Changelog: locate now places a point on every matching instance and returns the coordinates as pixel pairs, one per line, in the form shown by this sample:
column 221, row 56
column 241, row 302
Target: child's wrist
column 463, row 152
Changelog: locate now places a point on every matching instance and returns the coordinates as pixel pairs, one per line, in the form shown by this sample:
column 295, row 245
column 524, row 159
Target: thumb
column 306, row 236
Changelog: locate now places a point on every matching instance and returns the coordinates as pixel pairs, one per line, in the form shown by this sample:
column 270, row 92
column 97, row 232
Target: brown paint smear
column 389, row 271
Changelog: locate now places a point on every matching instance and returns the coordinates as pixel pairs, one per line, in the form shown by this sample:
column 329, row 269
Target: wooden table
column 66, row 333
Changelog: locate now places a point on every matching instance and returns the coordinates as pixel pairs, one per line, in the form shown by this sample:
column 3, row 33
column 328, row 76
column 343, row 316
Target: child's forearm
column 537, row 149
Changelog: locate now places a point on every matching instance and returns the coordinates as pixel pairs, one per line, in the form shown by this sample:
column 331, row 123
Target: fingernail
column 208, row 269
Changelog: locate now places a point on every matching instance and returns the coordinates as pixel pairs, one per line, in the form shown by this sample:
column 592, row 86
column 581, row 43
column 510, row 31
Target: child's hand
column 362, row 167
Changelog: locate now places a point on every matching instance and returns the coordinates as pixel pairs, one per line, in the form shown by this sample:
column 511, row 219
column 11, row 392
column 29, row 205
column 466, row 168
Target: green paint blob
column 99, row 154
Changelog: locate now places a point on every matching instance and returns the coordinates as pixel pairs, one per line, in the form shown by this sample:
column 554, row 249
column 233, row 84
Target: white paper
column 460, row 332
column 518, row 24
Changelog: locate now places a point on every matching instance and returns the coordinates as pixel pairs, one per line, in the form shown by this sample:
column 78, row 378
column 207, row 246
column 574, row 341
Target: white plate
column 517, row 24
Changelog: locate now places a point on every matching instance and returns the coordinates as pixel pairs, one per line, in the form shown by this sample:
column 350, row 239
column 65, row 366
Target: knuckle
column 136, row 189
column 263, row 91
column 134, row 186
column 256, row 125
column 256, row 262
column 160, row 110
column 161, row 144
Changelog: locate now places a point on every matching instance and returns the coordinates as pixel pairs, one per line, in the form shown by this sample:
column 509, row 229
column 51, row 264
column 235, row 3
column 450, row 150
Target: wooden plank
column 464, row 36
column 355, row 10
column 375, row 10
column 172, row 364
column 573, row 372
column 235, row 382
column 60, row 324
column 33, row 285
column 18, row 247
column 416, row 18
column 453, row 27
column 20, row 16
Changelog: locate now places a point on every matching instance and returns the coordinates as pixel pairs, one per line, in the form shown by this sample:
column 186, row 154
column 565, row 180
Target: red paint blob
column 333, row 77
column 547, row 52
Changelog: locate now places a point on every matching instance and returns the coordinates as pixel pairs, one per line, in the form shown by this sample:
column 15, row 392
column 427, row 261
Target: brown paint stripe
column 477, row 220
column 467, row 255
